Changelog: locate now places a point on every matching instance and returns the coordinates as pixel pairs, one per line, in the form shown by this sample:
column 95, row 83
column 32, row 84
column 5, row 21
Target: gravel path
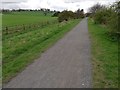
column 65, row 65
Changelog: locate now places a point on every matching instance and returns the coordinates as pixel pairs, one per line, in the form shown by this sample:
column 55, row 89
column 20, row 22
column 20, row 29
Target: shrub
column 108, row 16
column 113, row 19
column 113, row 23
column 101, row 16
column 65, row 16
column 95, row 8
column 79, row 13
column 56, row 14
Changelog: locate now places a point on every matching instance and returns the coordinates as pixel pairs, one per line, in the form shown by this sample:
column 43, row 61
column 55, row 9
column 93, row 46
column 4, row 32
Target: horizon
column 71, row 5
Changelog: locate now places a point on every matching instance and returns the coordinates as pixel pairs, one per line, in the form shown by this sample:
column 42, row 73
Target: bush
column 79, row 14
column 65, row 16
column 113, row 19
column 109, row 16
column 56, row 14
column 113, row 23
column 101, row 16
column 95, row 8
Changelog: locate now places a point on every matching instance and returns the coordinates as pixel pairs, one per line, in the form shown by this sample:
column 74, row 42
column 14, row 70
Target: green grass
column 0, row 50
column 104, row 57
column 23, row 49
column 20, row 18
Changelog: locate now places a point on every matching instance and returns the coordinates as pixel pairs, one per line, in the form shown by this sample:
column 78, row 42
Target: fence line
column 20, row 28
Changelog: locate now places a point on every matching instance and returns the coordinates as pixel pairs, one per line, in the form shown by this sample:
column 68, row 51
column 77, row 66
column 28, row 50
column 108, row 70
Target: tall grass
column 104, row 57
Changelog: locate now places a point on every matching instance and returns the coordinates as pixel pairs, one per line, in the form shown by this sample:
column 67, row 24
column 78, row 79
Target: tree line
column 108, row 16
column 68, row 15
column 45, row 10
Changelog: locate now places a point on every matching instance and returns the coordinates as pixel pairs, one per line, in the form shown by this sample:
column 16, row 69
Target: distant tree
column 54, row 11
column 48, row 10
column 78, row 13
column 95, row 8
column 5, row 10
column 42, row 9
column 0, row 10
column 82, row 13
column 56, row 14
column 108, row 16
column 19, row 10
column 13, row 10
column 88, row 14
column 31, row 10
column 66, row 15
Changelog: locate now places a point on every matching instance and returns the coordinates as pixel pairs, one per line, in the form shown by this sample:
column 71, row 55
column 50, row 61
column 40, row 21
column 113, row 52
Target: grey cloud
column 9, row 2
column 77, row 5
column 10, row 6
column 72, row 1
column 75, row 1
column 59, row 8
column 65, row 4
column 13, row 1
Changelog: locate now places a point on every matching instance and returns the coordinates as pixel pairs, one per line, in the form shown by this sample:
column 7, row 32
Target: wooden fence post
column 6, row 30
column 23, row 27
column 29, row 26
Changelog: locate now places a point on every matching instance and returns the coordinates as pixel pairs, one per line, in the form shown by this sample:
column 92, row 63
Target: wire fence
column 21, row 28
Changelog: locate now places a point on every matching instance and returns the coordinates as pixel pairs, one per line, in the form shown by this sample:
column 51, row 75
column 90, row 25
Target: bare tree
column 95, row 8
column 78, row 13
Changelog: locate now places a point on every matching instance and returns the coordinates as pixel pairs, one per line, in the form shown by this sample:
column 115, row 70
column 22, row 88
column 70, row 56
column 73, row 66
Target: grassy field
column 104, row 57
column 21, row 49
column 20, row 18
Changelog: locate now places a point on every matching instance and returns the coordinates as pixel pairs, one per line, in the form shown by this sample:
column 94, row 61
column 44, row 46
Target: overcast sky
column 52, row 4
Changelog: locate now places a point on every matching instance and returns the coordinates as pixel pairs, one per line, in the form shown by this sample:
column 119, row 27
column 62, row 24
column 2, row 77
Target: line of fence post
column 6, row 30
column 23, row 27
column 10, row 30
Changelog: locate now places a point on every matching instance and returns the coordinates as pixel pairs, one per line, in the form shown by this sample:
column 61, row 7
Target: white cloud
column 53, row 4
column 13, row 0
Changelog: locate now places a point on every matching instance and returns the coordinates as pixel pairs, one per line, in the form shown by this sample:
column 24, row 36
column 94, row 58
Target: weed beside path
column 104, row 57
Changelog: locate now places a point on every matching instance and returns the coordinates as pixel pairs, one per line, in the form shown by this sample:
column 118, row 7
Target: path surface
column 65, row 65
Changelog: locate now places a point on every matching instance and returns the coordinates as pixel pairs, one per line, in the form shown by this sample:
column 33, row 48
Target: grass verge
column 23, row 49
column 104, row 57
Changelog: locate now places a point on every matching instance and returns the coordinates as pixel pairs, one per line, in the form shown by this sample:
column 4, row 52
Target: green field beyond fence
column 20, row 18
column 20, row 22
